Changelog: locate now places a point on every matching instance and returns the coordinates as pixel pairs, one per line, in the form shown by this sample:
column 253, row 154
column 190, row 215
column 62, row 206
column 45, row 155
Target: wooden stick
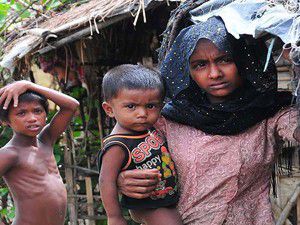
column 98, row 217
column 84, row 196
column 90, row 200
column 291, row 202
column 70, row 185
column 298, row 211
column 86, row 170
column 70, row 174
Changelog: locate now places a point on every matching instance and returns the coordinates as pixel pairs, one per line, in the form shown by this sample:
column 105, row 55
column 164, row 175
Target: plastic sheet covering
column 256, row 18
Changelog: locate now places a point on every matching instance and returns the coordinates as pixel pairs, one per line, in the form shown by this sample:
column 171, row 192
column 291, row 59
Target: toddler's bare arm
column 110, row 168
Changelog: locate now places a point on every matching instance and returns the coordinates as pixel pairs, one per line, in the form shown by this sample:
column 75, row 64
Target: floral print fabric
column 226, row 179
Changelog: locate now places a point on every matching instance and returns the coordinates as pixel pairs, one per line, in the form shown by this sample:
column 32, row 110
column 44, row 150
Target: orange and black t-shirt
column 146, row 151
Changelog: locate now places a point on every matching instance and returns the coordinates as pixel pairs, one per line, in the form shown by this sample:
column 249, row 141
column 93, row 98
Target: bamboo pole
column 90, row 200
column 69, row 157
column 83, row 196
column 70, row 185
column 291, row 202
column 85, row 170
column 89, row 194
column 298, row 210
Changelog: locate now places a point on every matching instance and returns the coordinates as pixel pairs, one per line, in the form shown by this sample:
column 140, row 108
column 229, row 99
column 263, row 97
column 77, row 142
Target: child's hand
column 12, row 91
column 116, row 221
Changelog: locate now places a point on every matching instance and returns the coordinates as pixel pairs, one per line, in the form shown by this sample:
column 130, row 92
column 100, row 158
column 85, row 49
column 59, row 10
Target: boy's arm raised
column 110, row 169
column 61, row 119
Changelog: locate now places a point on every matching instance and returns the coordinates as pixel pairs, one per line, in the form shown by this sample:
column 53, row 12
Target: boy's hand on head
column 12, row 92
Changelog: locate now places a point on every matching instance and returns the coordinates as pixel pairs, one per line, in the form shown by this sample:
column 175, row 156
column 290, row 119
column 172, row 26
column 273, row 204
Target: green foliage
column 53, row 4
column 7, row 213
column 3, row 192
column 58, row 153
column 5, row 135
column 4, row 9
column 14, row 12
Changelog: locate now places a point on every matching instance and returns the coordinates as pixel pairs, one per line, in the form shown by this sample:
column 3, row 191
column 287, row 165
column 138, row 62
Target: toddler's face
column 214, row 71
column 135, row 110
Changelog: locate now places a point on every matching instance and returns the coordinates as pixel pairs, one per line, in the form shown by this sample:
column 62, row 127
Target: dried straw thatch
column 72, row 25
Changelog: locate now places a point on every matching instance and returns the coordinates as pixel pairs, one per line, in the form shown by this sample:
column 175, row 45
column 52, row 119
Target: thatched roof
column 72, row 25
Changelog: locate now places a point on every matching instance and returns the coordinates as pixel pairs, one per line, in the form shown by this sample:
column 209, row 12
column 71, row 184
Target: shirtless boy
column 27, row 163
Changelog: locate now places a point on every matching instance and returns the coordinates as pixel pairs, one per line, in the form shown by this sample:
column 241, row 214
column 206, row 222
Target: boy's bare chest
column 36, row 173
column 35, row 162
column 39, row 161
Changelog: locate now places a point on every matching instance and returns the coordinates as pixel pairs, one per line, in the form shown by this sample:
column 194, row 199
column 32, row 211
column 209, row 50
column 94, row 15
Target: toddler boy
column 133, row 95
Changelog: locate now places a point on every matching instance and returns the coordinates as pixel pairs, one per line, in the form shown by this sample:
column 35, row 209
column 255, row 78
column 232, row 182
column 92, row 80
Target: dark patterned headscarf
column 255, row 101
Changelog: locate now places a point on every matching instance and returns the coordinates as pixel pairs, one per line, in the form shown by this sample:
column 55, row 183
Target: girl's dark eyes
column 198, row 65
column 225, row 59
column 222, row 60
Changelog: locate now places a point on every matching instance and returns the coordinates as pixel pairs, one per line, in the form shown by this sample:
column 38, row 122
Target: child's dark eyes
column 198, row 65
column 202, row 64
column 151, row 106
column 130, row 106
column 225, row 59
column 21, row 113
column 38, row 111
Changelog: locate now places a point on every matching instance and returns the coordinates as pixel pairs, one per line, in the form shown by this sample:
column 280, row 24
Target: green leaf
column 11, row 214
column 56, row 148
column 25, row 14
column 3, row 212
column 4, row 9
column 78, row 92
column 3, row 192
column 6, row 135
column 57, row 158
column 53, row 4
column 76, row 134
column 18, row 6
column 20, row 9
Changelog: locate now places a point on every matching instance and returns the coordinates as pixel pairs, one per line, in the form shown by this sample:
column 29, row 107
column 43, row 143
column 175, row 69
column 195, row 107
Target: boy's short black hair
column 28, row 96
column 128, row 76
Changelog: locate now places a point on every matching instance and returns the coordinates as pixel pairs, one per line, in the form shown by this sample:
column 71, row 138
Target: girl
column 223, row 124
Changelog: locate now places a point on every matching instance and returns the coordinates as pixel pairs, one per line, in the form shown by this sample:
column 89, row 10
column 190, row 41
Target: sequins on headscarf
column 175, row 67
column 257, row 100
column 249, row 57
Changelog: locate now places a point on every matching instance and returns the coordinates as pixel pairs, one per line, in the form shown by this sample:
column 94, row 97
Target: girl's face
column 214, row 71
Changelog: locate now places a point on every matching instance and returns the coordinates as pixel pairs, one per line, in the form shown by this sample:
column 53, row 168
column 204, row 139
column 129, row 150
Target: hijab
column 254, row 102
